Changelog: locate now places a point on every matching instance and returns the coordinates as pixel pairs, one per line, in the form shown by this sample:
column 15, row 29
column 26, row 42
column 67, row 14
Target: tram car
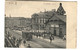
column 26, row 35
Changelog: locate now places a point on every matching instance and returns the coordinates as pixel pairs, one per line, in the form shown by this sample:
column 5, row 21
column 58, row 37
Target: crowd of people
column 17, row 42
column 13, row 40
column 49, row 36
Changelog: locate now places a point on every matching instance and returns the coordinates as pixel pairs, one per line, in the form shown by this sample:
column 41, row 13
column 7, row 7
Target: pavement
column 44, row 43
column 57, row 42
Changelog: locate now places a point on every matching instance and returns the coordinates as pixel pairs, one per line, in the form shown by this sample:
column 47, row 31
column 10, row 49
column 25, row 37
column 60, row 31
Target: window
column 55, row 20
column 36, row 20
column 39, row 20
column 42, row 20
column 52, row 25
column 56, row 25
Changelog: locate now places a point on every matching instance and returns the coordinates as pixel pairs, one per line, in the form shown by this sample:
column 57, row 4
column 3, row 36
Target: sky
column 27, row 8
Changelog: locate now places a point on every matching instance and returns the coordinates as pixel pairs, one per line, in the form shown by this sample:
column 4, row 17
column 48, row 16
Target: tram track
column 10, row 42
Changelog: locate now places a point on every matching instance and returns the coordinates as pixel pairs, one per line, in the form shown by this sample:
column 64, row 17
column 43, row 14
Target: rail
column 10, row 42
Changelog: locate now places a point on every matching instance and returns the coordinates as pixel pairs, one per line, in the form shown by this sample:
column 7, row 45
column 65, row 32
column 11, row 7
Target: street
column 40, row 42
column 44, row 43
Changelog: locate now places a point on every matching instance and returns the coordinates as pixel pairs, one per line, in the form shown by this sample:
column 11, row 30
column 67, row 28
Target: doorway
column 54, row 32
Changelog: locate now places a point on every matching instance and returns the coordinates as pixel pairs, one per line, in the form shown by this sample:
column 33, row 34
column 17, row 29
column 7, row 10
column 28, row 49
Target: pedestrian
column 18, row 45
column 29, row 46
column 24, row 41
column 64, row 37
column 51, row 39
column 15, row 42
column 20, row 40
column 37, row 35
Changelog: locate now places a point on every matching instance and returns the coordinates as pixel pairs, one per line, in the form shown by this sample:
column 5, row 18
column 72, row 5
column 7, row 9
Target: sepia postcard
column 40, row 24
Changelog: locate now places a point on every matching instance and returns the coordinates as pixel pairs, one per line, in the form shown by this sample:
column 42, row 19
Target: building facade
column 53, row 22
column 17, row 22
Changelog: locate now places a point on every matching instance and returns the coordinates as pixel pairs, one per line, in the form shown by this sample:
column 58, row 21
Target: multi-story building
column 53, row 22
column 39, row 19
column 12, row 21
column 17, row 22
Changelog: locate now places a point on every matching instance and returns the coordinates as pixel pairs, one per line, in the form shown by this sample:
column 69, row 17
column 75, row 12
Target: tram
column 26, row 35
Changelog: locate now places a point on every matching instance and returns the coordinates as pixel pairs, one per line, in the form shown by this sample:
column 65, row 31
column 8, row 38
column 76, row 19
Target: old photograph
column 35, row 24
